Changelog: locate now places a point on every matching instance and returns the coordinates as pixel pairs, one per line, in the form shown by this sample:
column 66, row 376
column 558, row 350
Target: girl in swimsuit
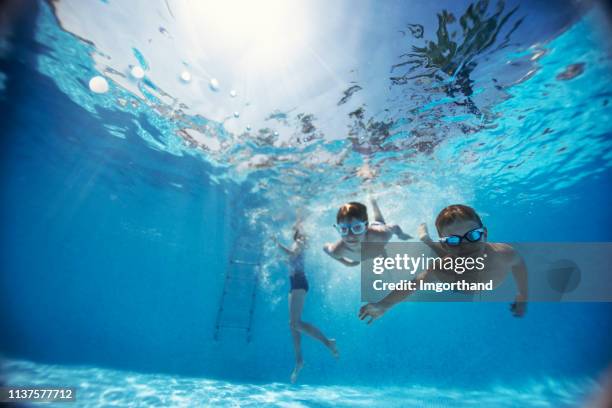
column 297, row 296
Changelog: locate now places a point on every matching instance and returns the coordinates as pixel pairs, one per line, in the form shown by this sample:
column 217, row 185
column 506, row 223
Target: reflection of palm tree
column 449, row 61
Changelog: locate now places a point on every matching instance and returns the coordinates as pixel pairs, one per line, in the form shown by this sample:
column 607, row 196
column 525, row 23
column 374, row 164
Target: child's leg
column 377, row 214
column 299, row 361
column 298, row 297
column 315, row 332
column 397, row 230
column 296, row 303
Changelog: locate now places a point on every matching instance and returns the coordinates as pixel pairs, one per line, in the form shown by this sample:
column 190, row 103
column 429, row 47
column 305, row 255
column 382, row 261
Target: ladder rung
column 241, row 262
column 238, row 276
column 239, row 290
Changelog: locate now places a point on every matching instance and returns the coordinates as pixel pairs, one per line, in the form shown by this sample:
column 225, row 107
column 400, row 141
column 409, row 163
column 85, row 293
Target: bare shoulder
column 379, row 232
column 503, row 251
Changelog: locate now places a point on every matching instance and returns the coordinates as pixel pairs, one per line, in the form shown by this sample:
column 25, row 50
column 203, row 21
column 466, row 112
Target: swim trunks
column 298, row 281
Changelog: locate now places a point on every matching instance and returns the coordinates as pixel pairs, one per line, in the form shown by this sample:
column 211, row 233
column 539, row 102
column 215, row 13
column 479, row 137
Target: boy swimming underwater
column 354, row 228
column 462, row 235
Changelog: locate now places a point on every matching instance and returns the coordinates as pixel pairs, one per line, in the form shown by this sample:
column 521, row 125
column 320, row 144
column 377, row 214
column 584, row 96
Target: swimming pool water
column 120, row 210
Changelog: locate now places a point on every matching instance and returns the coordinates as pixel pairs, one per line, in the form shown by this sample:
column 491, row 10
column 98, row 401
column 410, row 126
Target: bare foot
column 397, row 230
column 403, row 236
column 298, row 367
column 331, row 345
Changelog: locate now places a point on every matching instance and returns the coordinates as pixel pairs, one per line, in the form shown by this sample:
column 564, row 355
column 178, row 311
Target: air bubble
column 233, row 93
column 214, row 84
column 186, row 76
column 137, row 72
column 236, row 114
column 98, row 85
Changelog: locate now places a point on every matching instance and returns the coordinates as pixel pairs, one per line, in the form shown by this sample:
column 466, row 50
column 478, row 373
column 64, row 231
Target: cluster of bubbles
column 99, row 84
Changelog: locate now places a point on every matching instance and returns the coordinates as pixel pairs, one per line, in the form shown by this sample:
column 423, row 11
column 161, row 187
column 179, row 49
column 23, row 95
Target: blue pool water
column 121, row 210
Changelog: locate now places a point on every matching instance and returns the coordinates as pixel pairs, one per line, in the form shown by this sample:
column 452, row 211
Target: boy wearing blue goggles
column 354, row 228
column 474, row 235
column 462, row 234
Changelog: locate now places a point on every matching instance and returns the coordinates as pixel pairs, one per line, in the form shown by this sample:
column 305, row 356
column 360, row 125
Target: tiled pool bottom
column 97, row 387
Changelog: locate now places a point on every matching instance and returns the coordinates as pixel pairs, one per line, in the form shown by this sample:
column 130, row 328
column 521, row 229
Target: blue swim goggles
column 357, row 228
column 474, row 235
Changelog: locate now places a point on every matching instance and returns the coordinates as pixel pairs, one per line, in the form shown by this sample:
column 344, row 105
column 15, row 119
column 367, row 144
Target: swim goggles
column 357, row 228
column 474, row 235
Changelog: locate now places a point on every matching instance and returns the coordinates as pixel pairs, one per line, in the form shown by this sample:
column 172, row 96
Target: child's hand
column 275, row 239
column 519, row 307
column 328, row 248
column 423, row 233
column 371, row 310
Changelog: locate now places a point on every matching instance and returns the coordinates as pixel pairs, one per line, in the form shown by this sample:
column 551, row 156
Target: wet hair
column 352, row 210
column 456, row 212
column 298, row 233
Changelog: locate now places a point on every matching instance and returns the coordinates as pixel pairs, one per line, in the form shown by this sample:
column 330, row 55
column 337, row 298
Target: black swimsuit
column 297, row 278
column 298, row 281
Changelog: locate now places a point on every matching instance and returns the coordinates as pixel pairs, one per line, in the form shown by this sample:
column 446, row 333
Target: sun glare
column 264, row 33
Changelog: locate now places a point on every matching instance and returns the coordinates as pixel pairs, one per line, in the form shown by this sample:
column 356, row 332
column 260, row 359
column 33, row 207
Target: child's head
column 461, row 221
column 352, row 211
column 352, row 222
column 299, row 237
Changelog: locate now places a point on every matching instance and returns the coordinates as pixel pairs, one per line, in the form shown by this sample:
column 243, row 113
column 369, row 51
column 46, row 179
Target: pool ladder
column 237, row 304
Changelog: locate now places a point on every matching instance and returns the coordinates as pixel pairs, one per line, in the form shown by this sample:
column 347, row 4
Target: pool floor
column 98, row 387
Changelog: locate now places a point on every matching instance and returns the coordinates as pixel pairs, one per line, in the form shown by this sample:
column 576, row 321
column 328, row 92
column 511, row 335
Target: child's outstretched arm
column 332, row 250
column 519, row 271
column 281, row 246
column 377, row 309
column 423, row 235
